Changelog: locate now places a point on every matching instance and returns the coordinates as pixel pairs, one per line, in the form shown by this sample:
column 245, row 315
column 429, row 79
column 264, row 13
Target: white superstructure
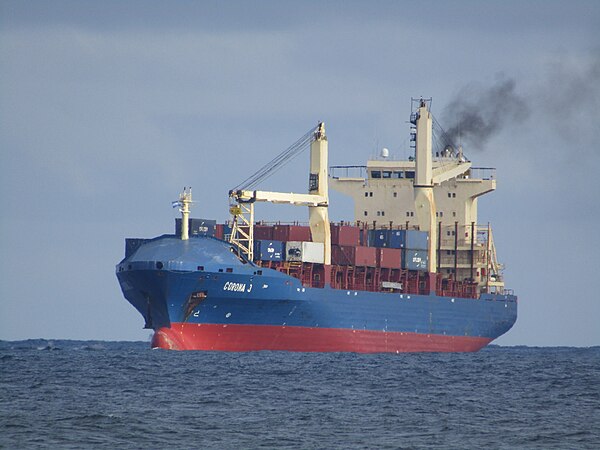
column 437, row 193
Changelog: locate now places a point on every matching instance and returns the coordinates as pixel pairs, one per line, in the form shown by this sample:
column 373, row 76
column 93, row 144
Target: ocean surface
column 75, row 394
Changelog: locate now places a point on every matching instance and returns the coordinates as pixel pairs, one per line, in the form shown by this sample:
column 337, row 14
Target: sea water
column 72, row 394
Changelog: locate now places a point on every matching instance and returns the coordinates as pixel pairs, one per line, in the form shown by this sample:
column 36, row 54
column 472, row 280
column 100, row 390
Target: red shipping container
column 291, row 233
column 219, row 231
column 345, row 235
column 389, row 258
column 345, row 255
column 263, row 232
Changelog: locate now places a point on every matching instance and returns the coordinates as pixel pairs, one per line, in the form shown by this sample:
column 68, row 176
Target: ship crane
column 243, row 197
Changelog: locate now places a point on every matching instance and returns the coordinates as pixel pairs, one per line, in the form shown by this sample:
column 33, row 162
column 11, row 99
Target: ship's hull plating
column 229, row 306
column 243, row 338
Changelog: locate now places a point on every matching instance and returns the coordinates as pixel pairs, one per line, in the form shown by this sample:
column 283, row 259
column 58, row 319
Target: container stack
column 351, row 246
column 412, row 243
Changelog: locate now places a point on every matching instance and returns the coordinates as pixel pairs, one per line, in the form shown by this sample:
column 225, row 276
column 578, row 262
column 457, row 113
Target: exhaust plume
column 478, row 113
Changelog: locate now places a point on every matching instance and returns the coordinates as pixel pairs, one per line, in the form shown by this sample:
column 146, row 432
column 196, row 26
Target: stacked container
column 414, row 259
column 408, row 239
column 310, row 252
column 414, row 244
column 291, row 233
column 389, row 258
column 269, row 250
column 387, row 249
column 378, row 238
column 346, row 255
column 264, row 232
column 345, row 235
column 399, row 239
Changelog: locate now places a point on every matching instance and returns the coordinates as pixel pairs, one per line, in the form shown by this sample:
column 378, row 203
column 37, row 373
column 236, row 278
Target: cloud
column 568, row 98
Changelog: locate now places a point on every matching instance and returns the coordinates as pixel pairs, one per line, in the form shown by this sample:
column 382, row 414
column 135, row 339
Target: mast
column 423, row 184
column 185, row 198
column 318, row 185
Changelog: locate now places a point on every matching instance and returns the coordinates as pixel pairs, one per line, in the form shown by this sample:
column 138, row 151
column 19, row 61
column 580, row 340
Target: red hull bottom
column 243, row 338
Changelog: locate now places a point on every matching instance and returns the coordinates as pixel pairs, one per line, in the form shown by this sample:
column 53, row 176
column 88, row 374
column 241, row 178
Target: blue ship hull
column 196, row 294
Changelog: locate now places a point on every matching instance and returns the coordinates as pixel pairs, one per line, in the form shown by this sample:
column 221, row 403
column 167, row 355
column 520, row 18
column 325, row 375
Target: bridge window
column 397, row 174
column 376, row 174
column 410, row 174
column 387, row 174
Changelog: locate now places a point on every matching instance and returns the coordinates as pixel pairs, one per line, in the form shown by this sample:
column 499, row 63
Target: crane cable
column 278, row 162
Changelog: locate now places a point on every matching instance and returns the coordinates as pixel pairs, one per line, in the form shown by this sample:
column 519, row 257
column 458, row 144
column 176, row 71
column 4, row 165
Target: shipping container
column 219, row 230
column 378, row 238
column 264, row 232
column 345, row 235
column 414, row 259
column 389, row 258
column 345, row 255
column 413, row 239
column 310, row 252
column 269, row 250
column 197, row 227
column 132, row 244
column 291, row 233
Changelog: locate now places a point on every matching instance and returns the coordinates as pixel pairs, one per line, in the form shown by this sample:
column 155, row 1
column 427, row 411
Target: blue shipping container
column 414, row 259
column 269, row 250
column 197, row 227
column 413, row 239
column 378, row 238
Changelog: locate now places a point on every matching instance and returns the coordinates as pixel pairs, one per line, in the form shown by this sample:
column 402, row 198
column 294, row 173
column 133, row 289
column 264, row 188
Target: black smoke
column 478, row 113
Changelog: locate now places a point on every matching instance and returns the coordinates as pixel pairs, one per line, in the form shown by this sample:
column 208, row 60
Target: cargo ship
column 412, row 272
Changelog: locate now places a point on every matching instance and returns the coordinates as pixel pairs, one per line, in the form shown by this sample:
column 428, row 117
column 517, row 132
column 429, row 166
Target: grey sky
column 107, row 109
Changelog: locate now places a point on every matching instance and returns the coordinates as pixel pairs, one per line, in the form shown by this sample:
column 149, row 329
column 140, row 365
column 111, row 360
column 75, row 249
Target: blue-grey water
column 72, row 394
